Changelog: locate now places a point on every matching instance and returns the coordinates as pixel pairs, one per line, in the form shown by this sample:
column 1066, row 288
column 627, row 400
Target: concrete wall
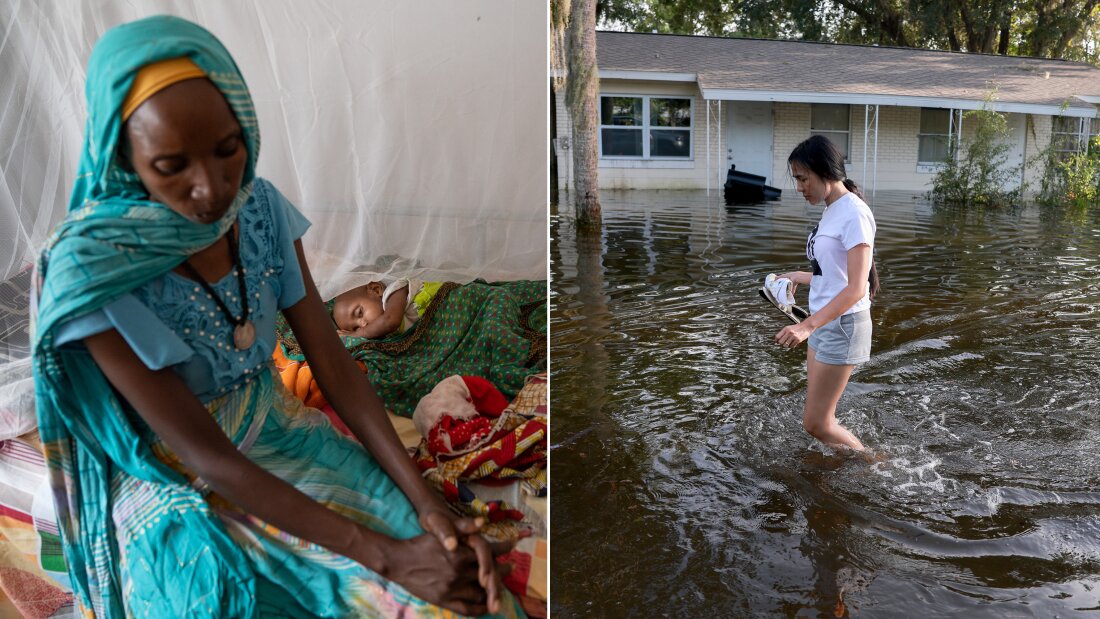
column 897, row 145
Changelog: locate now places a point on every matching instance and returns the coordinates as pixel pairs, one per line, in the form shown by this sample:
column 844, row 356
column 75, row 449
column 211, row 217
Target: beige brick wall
column 897, row 147
column 792, row 125
column 1038, row 130
column 898, row 141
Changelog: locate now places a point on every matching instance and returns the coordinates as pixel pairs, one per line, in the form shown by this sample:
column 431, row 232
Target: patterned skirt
column 166, row 572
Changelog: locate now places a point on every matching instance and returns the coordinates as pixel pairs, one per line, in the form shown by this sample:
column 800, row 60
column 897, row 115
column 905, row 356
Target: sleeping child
column 375, row 311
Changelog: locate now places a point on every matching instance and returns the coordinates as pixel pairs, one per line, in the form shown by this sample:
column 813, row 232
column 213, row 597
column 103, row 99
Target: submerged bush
column 1074, row 180
column 979, row 176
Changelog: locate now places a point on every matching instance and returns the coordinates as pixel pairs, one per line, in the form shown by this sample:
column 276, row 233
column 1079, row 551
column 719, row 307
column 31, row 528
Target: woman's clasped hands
column 450, row 564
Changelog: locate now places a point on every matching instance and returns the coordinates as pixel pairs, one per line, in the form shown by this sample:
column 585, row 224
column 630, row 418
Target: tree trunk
column 581, row 90
column 949, row 26
column 968, row 29
column 1037, row 39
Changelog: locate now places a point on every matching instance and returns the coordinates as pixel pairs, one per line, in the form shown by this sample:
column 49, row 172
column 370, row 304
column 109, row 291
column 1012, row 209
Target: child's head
column 356, row 308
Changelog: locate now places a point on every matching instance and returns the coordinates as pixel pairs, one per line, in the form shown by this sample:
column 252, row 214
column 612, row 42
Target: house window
column 621, row 126
column 832, row 121
column 1070, row 136
column 669, row 127
column 933, row 140
column 645, row 127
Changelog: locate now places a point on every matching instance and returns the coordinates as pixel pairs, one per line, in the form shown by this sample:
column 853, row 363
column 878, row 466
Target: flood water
column 684, row 484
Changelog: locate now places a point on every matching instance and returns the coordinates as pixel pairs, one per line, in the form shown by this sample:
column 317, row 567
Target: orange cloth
column 155, row 77
column 297, row 377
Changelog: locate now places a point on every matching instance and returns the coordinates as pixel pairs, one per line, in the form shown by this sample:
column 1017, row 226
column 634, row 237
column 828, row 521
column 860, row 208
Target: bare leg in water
column 825, row 383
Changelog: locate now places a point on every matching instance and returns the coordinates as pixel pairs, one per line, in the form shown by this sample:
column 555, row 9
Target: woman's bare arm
column 798, row 277
column 184, row 424
column 350, row 393
column 859, row 265
column 174, row 413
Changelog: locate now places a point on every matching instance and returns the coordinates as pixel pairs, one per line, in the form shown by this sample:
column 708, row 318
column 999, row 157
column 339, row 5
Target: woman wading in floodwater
column 842, row 284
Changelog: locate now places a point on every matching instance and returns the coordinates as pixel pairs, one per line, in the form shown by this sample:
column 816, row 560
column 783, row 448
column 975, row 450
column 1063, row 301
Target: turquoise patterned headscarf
column 113, row 240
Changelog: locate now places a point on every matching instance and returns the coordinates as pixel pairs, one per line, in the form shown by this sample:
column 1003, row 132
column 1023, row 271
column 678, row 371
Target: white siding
column 563, row 128
column 642, row 174
column 897, row 145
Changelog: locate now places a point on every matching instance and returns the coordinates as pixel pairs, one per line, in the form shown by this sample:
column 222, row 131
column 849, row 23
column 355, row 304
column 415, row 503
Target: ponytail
column 872, row 280
column 851, row 186
column 872, row 275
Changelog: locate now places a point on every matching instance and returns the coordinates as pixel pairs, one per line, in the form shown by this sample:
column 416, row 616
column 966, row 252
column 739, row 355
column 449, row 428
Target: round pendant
column 244, row 335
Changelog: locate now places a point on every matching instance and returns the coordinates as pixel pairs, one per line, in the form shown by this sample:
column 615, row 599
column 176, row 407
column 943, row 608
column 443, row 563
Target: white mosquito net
column 412, row 135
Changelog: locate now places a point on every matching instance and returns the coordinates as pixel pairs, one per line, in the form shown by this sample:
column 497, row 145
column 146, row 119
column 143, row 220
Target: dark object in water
column 745, row 188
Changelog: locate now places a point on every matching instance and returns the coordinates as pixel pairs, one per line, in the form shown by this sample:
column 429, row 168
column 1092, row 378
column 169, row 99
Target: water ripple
column 684, row 485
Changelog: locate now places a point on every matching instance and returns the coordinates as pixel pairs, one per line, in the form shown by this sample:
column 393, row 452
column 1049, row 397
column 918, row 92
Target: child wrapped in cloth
column 410, row 336
column 375, row 310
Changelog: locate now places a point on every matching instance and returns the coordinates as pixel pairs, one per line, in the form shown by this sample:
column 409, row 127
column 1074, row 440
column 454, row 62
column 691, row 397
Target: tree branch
column 1071, row 32
column 890, row 21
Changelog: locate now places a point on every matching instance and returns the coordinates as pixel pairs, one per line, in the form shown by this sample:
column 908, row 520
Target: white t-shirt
column 847, row 222
column 413, row 285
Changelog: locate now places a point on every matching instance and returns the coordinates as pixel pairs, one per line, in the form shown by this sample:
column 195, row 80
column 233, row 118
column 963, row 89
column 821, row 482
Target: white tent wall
column 413, row 135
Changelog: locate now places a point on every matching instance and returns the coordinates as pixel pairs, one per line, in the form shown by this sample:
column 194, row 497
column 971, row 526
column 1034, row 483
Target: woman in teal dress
column 188, row 483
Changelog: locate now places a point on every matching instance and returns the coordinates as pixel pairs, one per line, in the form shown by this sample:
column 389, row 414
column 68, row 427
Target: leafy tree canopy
column 1068, row 29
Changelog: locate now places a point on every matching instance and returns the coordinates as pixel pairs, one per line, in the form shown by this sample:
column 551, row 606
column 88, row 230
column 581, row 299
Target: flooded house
column 675, row 112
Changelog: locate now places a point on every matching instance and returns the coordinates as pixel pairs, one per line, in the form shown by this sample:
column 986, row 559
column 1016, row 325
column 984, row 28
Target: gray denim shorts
column 845, row 340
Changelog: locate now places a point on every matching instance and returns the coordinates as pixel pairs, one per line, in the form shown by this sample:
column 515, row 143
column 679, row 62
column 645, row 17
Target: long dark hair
column 820, row 156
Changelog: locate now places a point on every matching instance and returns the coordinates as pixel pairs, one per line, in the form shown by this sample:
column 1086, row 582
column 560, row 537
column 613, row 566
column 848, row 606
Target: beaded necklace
column 244, row 333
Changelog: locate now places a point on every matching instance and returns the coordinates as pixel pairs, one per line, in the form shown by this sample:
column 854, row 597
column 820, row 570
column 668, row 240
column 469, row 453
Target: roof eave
column 728, row 94
column 653, row 76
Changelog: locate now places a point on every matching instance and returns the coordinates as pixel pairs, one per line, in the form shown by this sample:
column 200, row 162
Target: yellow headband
column 153, row 78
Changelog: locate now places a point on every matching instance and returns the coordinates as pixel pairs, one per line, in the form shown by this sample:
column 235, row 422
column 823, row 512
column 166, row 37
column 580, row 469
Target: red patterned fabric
column 459, row 431
column 487, row 399
column 502, row 454
column 516, row 452
column 513, row 452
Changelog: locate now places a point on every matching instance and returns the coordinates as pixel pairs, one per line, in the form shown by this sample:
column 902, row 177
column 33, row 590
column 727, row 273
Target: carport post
column 874, row 157
column 708, row 145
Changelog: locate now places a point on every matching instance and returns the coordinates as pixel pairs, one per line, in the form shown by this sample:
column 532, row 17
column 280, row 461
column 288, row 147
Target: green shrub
column 1073, row 181
column 979, row 175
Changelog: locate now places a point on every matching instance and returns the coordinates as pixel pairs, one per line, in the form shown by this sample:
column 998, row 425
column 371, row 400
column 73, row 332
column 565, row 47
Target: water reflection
column 684, row 483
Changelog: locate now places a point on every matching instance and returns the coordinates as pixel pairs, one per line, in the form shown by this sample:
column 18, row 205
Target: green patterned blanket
column 496, row 331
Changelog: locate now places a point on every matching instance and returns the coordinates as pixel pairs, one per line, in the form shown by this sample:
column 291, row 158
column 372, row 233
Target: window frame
column 828, row 132
column 1081, row 139
column 954, row 125
column 646, row 128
